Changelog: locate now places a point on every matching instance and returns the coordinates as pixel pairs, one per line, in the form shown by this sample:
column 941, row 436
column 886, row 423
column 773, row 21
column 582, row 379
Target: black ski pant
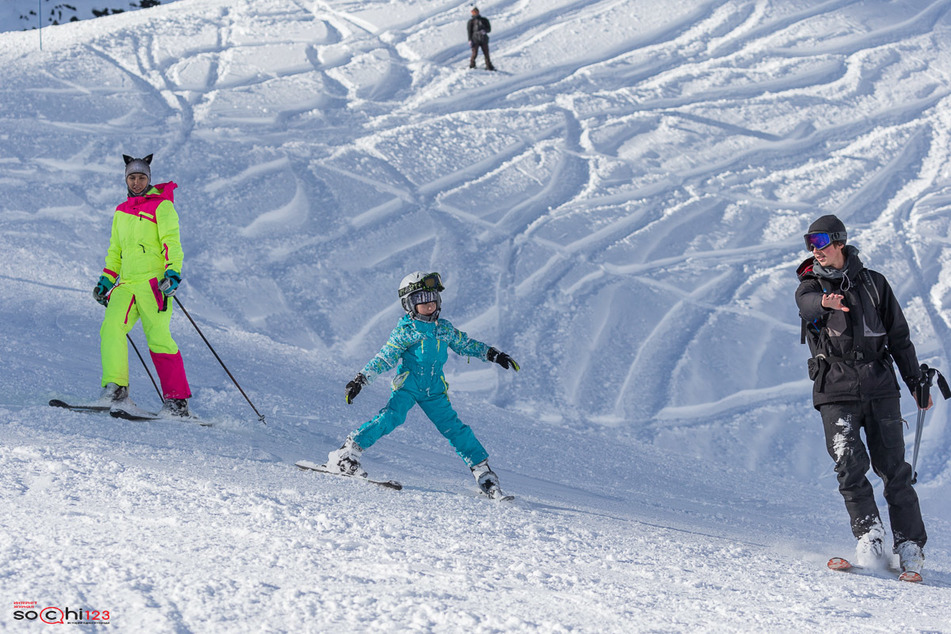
column 881, row 419
column 485, row 53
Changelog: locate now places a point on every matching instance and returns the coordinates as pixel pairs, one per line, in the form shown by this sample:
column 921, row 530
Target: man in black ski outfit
column 478, row 29
column 855, row 329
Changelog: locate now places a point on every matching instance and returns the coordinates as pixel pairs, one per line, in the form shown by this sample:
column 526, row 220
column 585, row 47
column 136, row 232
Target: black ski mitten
column 354, row 386
column 504, row 360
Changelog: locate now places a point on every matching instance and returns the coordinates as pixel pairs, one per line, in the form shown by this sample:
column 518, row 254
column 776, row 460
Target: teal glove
column 101, row 292
column 169, row 283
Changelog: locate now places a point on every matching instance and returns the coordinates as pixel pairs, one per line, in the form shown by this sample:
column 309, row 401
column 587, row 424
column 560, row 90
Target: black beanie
column 829, row 224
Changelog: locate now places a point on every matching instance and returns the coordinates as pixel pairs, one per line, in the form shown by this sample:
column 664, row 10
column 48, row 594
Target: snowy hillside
column 21, row 15
column 620, row 207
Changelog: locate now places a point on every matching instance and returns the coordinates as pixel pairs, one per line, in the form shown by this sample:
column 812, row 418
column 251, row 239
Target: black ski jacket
column 477, row 24
column 850, row 363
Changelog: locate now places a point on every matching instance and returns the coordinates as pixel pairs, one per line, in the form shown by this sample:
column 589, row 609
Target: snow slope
column 620, row 207
column 20, row 15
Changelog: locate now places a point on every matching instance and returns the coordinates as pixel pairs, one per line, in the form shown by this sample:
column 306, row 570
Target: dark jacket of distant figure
column 478, row 28
column 849, row 364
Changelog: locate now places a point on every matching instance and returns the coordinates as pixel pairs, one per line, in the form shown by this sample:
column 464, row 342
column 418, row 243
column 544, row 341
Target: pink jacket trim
column 145, row 206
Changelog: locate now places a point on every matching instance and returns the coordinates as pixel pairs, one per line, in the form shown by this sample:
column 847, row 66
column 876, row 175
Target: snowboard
column 307, row 465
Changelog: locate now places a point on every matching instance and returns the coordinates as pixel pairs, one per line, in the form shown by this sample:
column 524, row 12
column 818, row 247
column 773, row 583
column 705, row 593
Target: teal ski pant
column 439, row 411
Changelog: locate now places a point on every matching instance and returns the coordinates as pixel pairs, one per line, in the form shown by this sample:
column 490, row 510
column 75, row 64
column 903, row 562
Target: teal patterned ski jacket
column 421, row 349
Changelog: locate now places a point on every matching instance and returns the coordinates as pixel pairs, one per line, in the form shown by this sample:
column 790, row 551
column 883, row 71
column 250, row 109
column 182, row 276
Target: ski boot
column 346, row 460
column 911, row 559
column 113, row 393
column 117, row 397
column 175, row 407
column 870, row 551
column 487, row 480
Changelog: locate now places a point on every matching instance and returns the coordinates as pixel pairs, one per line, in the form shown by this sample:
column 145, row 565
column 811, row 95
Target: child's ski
column 319, row 468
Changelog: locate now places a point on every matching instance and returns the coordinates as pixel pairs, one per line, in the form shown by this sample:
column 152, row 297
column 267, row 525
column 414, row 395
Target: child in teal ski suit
column 419, row 347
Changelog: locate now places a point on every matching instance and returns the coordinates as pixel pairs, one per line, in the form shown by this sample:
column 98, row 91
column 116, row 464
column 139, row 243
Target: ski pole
column 923, row 396
column 147, row 371
column 914, row 461
column 233, row 380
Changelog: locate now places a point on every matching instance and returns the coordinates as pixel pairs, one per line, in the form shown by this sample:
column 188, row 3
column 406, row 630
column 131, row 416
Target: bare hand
column 834, row 301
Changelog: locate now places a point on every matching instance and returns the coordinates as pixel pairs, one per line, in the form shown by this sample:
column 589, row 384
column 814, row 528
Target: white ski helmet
column 421, row 288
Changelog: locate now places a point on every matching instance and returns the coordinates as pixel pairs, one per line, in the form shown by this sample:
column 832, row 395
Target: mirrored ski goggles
column 423, row 297
column 817, row 241
column 431, row 281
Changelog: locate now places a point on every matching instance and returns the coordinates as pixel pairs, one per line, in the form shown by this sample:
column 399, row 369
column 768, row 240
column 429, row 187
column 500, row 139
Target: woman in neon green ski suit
column 142, row 272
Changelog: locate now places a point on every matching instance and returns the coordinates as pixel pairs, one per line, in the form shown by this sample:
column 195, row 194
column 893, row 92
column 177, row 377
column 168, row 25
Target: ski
column 128, row 410
column 842, row 564
column 911, row 577
column 78, row 408
column 307, row 465
column 124, row 412
column 143, row 415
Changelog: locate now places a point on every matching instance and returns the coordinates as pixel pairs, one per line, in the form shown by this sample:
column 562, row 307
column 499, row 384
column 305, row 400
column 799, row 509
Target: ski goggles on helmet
column 821, row 240
column 429, row 282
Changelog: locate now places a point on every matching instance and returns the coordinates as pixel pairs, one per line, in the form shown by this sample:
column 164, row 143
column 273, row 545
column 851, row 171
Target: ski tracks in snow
column 632, row 186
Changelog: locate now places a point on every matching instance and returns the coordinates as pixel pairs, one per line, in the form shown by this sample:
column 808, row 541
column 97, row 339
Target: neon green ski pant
column 128, row 303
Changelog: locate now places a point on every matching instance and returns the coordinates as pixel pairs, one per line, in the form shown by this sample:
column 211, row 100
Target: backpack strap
column 872, row 291
column 858, row 324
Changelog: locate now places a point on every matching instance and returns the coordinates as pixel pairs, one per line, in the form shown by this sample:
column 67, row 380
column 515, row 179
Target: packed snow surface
column 620, row 207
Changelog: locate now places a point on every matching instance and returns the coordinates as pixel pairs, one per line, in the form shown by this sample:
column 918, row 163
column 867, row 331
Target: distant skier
column 478, row 29
column 143, row 270
column 855, row 328
column 420, row 344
